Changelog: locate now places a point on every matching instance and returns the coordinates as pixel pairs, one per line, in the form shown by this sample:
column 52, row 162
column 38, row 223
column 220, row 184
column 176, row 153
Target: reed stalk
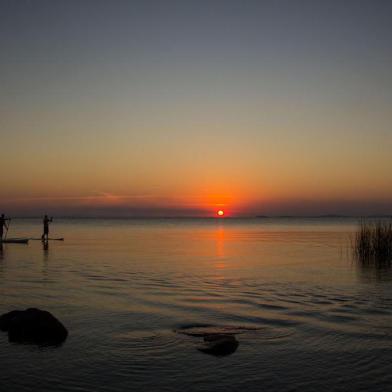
column 373, row 243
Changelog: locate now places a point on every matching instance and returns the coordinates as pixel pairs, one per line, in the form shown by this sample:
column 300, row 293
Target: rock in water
column 219, row 345
column 33, row 326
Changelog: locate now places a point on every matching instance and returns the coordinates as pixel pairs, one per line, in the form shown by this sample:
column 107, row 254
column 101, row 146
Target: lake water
column 308, row 318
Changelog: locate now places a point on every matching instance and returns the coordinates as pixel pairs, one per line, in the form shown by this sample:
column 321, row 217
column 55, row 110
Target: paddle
column 49, row 239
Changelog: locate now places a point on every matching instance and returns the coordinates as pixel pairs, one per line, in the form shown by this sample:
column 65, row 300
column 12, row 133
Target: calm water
column 310, row 319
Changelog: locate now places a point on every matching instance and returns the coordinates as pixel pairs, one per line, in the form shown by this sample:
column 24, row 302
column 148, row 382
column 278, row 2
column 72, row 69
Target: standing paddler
column 3, row 223
column 46, row 222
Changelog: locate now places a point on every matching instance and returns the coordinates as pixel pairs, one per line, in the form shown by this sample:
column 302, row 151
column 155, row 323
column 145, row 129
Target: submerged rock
column 218, row 340
column 219, row 344
column 203, row 330
column 33, row 326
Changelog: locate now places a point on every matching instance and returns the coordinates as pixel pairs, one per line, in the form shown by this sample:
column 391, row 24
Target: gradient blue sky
column 183, row 107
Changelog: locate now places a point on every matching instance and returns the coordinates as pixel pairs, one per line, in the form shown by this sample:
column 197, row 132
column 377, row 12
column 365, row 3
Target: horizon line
column 315, row 216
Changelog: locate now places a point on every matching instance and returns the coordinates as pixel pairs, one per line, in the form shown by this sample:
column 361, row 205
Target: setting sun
column 220, row 213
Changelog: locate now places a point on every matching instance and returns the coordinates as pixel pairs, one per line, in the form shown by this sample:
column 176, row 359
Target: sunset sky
column 182, row 108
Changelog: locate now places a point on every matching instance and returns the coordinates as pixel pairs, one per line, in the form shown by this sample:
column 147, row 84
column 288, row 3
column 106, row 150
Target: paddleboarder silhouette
column 46, row 222
column 3, row 223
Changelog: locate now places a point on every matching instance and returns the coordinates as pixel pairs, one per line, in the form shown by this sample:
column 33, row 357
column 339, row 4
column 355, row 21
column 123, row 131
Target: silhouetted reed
column 373, row 243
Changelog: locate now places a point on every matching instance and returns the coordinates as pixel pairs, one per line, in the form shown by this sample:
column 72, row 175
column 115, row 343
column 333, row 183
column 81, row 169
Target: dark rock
column 219, row 344
column 33, row 326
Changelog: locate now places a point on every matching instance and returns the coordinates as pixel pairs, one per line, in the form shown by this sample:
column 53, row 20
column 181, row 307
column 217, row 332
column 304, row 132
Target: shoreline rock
column 33, row 326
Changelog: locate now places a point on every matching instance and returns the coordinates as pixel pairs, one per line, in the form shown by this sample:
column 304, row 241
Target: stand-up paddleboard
column 14, row 241
column 48, row 239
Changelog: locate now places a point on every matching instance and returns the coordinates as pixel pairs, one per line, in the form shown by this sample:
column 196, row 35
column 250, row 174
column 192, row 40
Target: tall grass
column 373, row 243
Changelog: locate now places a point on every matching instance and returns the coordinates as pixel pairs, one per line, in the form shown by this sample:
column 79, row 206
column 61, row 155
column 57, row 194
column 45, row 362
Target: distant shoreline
column 211, row 218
